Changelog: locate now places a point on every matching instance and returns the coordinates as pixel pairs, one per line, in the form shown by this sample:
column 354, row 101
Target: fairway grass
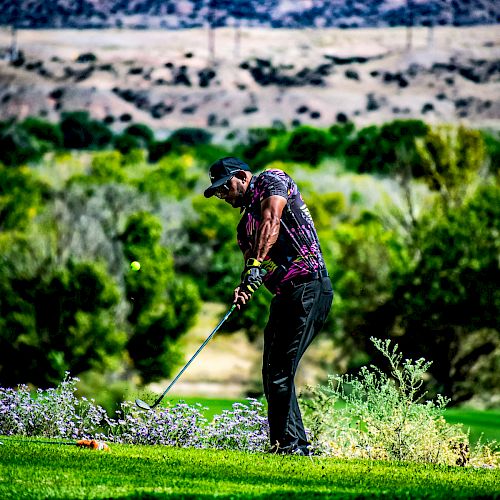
column 482, row 424
column 33, row 469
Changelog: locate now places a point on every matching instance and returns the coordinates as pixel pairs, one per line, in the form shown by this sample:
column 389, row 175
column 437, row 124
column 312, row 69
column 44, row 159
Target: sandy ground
column 137, row 73
column 230, row 365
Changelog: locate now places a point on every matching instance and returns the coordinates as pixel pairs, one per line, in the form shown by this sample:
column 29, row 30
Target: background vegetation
column 408, row 216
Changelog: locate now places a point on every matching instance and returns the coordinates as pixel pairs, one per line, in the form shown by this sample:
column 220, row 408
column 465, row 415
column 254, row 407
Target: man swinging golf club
column 281, row 250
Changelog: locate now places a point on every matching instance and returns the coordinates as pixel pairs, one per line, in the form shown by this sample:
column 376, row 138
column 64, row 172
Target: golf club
column 143, row 405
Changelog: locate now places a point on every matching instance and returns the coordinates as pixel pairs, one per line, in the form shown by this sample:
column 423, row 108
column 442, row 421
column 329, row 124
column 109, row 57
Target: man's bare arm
column 267, row 234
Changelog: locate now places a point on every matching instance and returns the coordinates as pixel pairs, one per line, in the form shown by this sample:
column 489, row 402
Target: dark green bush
column 159, row 149
column 43, row 130
column 309, row 145
column 386, row 150
column 141, row 132
column 81, row 132
column 126, row 143
column 190, row 136
column 17, row 146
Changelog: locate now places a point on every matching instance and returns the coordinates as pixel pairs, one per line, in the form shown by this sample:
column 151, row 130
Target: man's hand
column 251, row 280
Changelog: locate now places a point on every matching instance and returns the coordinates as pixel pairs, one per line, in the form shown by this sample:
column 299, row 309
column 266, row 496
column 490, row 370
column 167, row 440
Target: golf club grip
column 222, row 321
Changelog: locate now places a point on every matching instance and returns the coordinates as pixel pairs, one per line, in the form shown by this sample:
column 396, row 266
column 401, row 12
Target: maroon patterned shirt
column 297, row 250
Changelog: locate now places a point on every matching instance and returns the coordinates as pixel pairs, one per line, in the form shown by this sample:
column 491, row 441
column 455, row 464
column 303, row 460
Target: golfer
column 281, row 250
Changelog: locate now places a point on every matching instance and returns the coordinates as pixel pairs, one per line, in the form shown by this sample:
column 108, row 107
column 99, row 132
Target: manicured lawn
column 215, row 406
column 30, row 469
column 485, row 423
column 479, row 422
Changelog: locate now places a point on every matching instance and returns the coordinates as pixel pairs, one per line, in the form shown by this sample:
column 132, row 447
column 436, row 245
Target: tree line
column 79, row 202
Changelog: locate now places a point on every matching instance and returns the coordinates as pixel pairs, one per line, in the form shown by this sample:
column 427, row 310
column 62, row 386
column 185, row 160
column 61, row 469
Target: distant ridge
column 177, row 14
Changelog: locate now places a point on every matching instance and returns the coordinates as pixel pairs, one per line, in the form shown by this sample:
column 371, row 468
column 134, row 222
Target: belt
column 306, row 278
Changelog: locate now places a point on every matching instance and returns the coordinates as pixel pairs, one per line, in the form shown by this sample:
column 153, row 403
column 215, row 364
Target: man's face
column 232, row 192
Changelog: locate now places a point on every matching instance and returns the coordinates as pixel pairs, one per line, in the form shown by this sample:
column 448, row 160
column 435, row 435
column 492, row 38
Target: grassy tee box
column 31, row 469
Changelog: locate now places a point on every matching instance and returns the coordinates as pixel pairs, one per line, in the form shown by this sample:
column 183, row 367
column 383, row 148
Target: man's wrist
column 251, row 262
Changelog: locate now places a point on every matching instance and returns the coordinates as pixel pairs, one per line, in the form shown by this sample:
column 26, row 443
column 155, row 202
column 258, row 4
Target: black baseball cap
column 222, row 170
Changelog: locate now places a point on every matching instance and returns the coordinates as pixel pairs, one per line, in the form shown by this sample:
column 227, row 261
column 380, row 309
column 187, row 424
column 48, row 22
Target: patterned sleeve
column 271, row 183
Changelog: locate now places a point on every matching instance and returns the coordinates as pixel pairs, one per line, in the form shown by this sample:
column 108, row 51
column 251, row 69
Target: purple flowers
column 57, row 412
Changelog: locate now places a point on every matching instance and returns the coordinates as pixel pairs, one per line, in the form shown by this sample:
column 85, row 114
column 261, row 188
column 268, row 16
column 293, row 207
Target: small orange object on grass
column 92, row 444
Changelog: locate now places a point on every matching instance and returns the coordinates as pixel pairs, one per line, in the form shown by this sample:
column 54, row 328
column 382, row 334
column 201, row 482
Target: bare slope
column 167, row 79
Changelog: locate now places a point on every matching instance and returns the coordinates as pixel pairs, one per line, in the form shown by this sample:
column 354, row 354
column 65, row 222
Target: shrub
column 81, row 132
column 17, row 146
column 53, row 317
column 387, row 149
column 385, row 418
column 492, row 145
column 159, row 149
column 58, row 413
column 125, row 143
column 181, row 425
column 163, row 305
column 55, row 412
column 308, row 145
column 173, row 177
column 44, row 131
column 450, row 159
column 244, row 428
column 106, row 167
column 141, row 132
column 22, row 196
column 191, row 136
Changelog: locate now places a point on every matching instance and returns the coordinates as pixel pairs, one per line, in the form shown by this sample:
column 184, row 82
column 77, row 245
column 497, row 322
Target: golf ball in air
column 135, row 266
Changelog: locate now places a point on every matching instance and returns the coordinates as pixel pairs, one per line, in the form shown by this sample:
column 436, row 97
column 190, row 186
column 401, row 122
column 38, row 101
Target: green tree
column 53, row 319
column 173, row 177
column 492, row 145
column 107, row 167
column 125, row 143
column 22, row 196
column 446, row 304
column 163, row 305
column 451, row 158
column 362, row 256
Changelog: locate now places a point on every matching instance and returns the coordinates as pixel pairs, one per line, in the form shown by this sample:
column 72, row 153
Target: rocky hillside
column 170, row 79
column 173, row 14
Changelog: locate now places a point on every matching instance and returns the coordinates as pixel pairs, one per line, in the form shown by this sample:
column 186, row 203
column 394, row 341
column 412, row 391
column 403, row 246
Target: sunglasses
column 222, row 190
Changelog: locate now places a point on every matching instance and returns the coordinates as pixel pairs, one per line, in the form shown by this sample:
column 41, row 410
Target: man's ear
column 241, row 175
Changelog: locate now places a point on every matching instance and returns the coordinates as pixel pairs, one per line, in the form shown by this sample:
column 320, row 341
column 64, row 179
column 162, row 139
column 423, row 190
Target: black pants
column 296, row 317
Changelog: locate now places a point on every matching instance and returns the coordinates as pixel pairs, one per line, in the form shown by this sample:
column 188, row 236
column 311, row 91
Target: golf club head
column 142, row 404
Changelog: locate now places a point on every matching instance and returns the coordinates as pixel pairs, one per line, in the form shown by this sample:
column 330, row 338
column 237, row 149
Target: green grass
column 30, row 469
column 480, row 423
column 215, row 406
column 485, row 423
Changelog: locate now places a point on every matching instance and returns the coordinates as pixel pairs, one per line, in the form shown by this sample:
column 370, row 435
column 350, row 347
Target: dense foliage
column 407, row 215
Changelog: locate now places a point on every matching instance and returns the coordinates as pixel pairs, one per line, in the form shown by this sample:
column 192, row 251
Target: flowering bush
column 243, row 428
column 182, row 425
column 57, row 412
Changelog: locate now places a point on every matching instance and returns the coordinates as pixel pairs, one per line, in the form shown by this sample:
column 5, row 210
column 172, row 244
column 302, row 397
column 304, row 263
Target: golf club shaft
column 194, row 355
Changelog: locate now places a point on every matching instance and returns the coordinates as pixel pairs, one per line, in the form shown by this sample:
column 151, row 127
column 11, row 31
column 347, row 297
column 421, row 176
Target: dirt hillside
column 255, row 76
